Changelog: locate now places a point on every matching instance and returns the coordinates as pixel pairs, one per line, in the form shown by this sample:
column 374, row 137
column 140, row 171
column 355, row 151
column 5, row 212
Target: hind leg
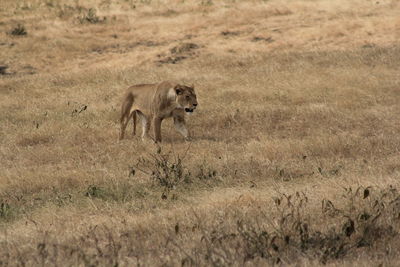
column 124, row 123
column 133, row 114
column 125, row 115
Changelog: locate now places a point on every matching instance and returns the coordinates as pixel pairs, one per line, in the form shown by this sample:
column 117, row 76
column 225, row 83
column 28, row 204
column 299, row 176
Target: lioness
column 155, row 102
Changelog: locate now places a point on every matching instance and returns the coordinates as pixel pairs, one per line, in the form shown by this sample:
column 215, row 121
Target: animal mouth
column 190, row 110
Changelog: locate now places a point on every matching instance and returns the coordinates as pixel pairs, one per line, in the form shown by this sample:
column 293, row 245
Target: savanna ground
column 295, row 151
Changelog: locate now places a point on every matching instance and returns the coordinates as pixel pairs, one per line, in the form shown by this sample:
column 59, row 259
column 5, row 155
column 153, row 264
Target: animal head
column 186, row 97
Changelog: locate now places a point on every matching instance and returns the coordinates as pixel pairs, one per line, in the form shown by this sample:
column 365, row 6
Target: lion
column 153, row 103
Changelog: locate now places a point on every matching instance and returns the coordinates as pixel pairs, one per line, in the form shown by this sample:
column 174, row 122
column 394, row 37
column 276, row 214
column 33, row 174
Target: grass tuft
column 91, row 17
column 19, row 30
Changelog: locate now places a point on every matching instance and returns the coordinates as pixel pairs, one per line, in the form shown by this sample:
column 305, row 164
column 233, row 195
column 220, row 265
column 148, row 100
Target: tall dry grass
column 297, row 120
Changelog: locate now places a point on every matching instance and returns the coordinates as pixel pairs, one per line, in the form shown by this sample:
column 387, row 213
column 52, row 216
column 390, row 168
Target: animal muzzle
column 191, row 109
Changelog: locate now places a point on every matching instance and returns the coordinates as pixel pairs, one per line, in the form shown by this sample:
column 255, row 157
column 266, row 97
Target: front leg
column 157, row 129
column 145, row 124
column 180, row 126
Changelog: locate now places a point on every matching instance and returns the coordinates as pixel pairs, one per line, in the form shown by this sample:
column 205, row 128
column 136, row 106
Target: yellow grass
column 294, row 96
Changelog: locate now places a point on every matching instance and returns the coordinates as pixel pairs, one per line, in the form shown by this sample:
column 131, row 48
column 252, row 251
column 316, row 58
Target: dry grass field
column 295, row 157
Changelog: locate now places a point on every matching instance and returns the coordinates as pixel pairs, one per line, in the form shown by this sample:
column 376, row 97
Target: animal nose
column 194, row 104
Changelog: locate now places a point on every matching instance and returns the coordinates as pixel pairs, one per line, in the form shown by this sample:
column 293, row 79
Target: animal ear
column 178, row 90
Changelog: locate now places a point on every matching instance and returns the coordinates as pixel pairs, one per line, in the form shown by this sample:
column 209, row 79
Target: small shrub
column 94, row 191
column 5, row 211
column 206, row 3
column 122, row 191
column 169, row 173
column 91, row 17
column 62, row 199
column 205, row 172
column 3, row 70
column 164, row 169
column 169, row 170
column 19, row 30
column 185, row 47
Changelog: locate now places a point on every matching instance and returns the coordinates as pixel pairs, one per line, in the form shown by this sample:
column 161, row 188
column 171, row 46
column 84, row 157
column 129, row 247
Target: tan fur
column 154, row 102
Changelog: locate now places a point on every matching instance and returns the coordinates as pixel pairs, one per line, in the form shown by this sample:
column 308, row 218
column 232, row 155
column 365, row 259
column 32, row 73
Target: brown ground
column 295, row 151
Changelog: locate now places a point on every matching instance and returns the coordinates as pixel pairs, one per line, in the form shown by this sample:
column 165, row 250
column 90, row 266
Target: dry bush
column 368, row 220
column 169, row 170
column 19, row 30
column 90, row 16
column 5, row 211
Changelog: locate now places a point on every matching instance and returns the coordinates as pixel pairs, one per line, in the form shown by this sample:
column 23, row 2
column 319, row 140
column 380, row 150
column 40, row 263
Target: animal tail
column 125, row 110
column 126, row 107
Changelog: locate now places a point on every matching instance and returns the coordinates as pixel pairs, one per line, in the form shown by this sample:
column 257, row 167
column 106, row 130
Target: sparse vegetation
column 289, row 232
column 90, row 16
column 284, row 234
column 19, row 30
column 3, row 70
column 294, row 151
column 5, row 211
column 169, row 171
column 94, row 191
column 164, row 171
